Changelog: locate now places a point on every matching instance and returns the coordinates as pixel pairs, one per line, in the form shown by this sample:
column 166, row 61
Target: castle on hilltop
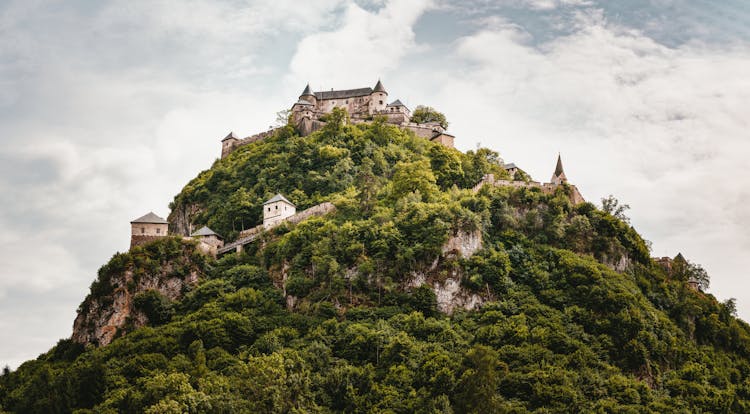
column 362, row 104
column 558, row 179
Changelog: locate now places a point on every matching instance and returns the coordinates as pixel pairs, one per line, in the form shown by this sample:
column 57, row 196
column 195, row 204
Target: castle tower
column 378, row 98
column 308, row 95
column 558, row 177
column 147, row 228
column 276, row 210
column 228, row 143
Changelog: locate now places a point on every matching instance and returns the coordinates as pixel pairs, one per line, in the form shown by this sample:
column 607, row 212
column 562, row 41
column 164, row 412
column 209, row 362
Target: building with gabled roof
column 147, row 228
column 308, row 114
column 362, row 104
column 276, row 210
column 209, row 240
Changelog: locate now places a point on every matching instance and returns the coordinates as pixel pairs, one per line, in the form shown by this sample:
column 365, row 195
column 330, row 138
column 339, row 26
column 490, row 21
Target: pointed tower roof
column 278, row 197
column 307, row 91
column 150, row 218
column 559, row 167
column 229, row 136
column 379, row 87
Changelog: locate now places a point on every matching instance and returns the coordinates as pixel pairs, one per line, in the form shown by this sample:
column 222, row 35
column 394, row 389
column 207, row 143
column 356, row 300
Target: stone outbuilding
column 147, row 228
column 208, row 236
column 276, row 210
column 210, row 241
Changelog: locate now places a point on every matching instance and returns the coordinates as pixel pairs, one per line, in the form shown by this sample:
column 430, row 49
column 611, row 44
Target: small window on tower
column 277, row 207
column 269, row 208
column 381, row 102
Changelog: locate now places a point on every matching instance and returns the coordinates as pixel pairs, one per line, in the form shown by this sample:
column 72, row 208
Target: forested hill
column 567, row 312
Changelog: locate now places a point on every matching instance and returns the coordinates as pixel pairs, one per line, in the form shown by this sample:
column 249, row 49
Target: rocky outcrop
column 449, row 293
column 463, row 244
column 109, row 308
column 181, row 219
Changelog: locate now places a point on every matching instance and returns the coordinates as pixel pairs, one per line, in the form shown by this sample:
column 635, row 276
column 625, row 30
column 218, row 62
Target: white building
column 276, row 210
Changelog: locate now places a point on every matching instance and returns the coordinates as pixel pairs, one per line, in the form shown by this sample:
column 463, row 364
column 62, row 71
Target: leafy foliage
column 325, row 316
column 427, row 114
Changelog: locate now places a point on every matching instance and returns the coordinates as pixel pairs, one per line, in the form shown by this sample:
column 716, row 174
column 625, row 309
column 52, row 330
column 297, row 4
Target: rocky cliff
column 164, row 270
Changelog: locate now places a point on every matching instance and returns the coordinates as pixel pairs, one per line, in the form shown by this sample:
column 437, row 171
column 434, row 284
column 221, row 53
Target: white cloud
column 367, row 46
column 664, row 129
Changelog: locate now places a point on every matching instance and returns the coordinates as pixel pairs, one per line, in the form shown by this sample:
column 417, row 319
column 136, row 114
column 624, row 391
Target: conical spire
column 307, row 91
column 559, row 167
column 379, row 87
column 558, row 177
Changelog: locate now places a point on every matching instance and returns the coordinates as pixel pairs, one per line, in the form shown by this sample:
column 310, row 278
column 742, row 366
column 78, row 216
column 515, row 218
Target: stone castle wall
column 231, row 145
column 141, row 240
column 489, row 179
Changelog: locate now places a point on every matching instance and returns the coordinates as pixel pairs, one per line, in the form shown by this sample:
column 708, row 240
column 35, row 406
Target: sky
column 108, row 108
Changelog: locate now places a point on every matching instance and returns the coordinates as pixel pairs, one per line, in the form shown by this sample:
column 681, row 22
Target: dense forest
column 324, row 316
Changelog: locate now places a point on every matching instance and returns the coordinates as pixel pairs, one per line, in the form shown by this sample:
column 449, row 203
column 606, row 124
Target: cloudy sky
column 108, row 108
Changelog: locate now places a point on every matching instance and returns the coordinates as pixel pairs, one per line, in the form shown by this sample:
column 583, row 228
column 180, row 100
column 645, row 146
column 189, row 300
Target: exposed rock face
column 100, row 318
column 450, row 295
column 463, row 244
column 181, row 218
column 449, row 292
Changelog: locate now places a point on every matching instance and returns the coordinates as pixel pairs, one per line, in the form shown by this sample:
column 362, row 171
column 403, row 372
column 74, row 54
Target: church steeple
column 559, row 175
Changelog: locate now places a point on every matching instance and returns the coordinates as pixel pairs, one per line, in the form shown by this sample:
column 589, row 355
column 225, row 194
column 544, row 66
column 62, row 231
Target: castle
column 558, row 179
column 362, row 104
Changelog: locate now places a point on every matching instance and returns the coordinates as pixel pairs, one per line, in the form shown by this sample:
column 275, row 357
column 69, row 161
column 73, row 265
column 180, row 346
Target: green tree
column 427, row 114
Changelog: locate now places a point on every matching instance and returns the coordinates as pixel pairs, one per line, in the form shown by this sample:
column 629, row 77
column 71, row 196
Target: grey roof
column 205, row 231
column 347, row 93
column 230, row 136
column 397, row 102
column 307, row 91
column 509, row 166
column 278, row 197
column 379, row 87
column 150, row 218
column 559, row 167
column 302, row 102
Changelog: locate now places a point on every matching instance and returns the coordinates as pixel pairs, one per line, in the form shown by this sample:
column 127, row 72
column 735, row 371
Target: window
column 381, row 102
column 277, row 207
column 143, row 230
column 333, row 103
column 158, row 230
column 269, row 208
column 346, row 102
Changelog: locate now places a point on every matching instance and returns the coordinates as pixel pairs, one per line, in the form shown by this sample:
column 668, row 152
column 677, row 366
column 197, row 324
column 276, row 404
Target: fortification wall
column 489, row 179
column 318, row 210
column 141, row 240
column 228, row 149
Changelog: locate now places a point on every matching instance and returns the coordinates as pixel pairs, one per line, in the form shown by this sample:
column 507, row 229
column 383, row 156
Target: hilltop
column 420, row 292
